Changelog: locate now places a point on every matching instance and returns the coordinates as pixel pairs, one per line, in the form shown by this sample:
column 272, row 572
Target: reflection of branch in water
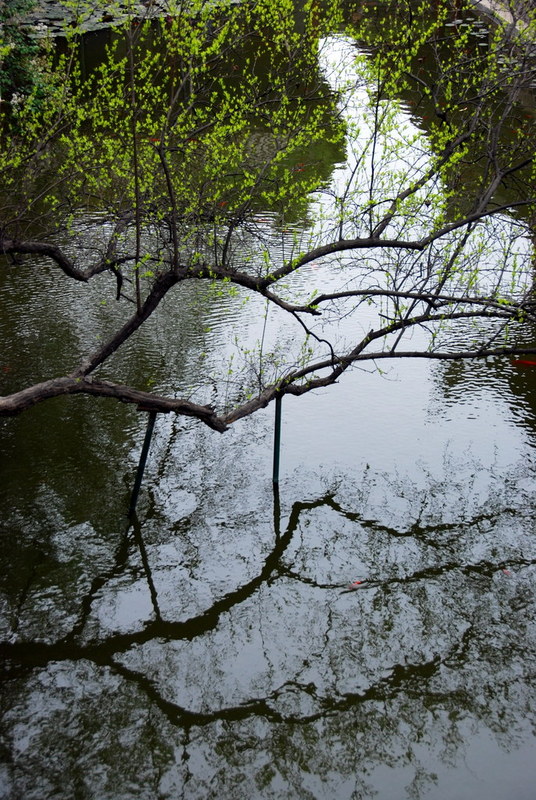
column 483, row 568
column 394, row 680
column 121, row 555
column 386, row 688
column 120, row 560
column 146, row 566
column 40, row 653
column 426, row 533
column 373, row 712
column 39, row 557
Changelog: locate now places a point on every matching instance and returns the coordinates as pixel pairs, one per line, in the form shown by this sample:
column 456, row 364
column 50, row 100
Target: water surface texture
column 218, row 645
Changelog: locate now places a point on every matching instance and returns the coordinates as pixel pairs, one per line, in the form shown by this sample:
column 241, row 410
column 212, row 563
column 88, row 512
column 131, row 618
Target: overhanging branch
column 18, row 402
column 56, row 254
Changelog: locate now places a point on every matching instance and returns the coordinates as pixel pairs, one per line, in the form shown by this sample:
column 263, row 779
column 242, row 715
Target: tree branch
column 14, row 404
column 162, row 285
column 29, row 247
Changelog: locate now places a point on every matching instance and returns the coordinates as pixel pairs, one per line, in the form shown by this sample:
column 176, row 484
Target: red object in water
column 351, row 587
column 507, row 572
column 523, row 362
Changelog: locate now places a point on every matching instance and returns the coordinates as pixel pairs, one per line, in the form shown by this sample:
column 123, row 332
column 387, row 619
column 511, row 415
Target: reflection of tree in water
column 423, row 93
column 501, row 380
column 282, row 682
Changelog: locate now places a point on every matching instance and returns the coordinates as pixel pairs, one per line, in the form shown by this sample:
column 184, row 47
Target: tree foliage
column 18, row 52
column 156, row 167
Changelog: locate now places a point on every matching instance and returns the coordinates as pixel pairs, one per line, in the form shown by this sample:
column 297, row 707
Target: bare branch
column 160, row 288
column 12, row 246
column 14, row 404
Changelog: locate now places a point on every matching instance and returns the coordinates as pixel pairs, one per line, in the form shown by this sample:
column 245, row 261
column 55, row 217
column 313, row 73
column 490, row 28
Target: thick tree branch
column 13, row 404
column 160, row 288
column 109, row 262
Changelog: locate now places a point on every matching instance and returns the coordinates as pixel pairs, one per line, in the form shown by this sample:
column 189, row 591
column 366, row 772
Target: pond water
column 210, row 647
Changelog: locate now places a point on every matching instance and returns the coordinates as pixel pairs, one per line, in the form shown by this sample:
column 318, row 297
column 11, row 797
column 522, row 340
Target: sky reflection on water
column 210, row 648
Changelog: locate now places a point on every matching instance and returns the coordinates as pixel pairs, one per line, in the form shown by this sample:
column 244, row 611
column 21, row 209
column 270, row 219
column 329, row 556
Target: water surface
column 210, row 647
